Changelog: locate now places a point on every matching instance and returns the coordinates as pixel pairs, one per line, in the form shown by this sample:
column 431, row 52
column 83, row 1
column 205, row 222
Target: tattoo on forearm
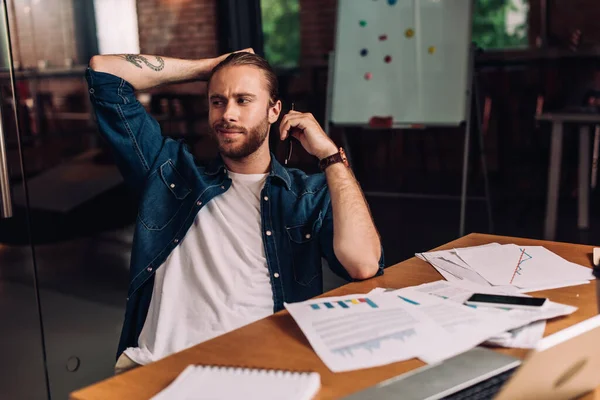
column 137, row 60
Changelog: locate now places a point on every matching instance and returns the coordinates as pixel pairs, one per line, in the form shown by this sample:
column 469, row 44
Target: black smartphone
column 496, row 300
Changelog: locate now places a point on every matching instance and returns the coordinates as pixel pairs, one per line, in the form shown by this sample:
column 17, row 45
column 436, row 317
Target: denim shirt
column 296, row 214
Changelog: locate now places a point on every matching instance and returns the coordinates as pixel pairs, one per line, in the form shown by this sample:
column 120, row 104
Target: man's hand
column 213, row 62
column 305, row 128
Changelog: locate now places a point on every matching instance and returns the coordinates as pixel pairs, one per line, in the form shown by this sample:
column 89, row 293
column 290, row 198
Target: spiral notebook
column 198, row 382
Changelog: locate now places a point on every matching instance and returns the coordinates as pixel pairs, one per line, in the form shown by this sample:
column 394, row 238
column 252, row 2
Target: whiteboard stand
column 470, row 90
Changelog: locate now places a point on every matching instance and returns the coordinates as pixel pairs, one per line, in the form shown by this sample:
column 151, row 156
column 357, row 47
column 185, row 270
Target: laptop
column 564, row 365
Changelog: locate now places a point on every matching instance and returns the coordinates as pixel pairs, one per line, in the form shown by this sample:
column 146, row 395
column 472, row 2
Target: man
column 221, row 246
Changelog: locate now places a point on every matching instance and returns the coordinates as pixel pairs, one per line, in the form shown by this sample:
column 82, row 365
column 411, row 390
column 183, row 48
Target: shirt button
column 176, row 240
column 198, row 203
column 307, row 236
column 269, row 233
column 276, row 274
column 266, row 198
column 172, row 185
column 149, row 269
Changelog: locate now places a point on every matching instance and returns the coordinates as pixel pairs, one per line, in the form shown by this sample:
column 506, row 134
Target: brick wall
column 178, row 28
column 317, row 30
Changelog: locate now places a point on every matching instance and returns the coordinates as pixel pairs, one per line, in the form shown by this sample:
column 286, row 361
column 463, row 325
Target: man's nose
column 231, row 112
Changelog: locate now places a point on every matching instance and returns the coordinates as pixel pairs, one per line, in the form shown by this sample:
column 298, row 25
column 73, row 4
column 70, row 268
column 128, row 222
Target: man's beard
column 249, row 143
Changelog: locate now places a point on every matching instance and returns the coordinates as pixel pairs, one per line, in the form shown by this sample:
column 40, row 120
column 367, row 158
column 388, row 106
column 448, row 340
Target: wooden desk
column 277, row 342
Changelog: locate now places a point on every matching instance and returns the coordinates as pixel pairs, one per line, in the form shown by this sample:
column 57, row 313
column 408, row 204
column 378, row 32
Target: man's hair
column 244, row 58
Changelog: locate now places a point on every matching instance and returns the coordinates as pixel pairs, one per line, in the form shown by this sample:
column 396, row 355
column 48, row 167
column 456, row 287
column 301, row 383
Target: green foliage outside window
column 281, row 30
column 490, row 25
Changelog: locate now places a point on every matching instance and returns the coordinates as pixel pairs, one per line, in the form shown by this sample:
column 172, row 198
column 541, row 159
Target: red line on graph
column 517, row 267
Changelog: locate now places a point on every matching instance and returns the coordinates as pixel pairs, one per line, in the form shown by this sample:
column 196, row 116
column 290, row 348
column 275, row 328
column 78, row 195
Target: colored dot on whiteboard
column 368, row 76
column 392, row 2
column 382, row 37
column 364, row 52
column 388, row 59
column 409, row 33
column 431, row 49
column 363, row 23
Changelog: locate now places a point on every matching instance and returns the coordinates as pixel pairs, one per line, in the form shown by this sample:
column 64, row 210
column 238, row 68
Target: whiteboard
column 405, row 59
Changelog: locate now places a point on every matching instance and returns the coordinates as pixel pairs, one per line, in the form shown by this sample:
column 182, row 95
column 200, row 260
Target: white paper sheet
column 522, row 266
column 359, row 331
column 444, row 253
column 513, row 268
column 463, row 327
column 460, row 273
column 459, row 292
column 525, row 337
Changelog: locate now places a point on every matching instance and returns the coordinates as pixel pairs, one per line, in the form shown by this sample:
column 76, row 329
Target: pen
column 595, row 157
column 290, row 145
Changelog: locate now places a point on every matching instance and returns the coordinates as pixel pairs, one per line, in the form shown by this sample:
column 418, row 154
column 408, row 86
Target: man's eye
column 243, row 101
column 217, row 102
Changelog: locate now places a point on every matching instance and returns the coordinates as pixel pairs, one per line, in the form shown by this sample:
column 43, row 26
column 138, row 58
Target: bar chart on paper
column 343, row 303
column 354, row 331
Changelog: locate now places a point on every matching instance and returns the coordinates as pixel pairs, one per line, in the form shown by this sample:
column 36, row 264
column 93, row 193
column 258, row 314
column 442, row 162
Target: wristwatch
column 340, row 156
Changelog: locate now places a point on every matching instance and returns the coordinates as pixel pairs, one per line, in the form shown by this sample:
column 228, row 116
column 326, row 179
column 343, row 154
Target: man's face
column 239, row 111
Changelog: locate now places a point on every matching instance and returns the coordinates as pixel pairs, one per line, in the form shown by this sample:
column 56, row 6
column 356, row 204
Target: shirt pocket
column 163, row 197
column 306, row 259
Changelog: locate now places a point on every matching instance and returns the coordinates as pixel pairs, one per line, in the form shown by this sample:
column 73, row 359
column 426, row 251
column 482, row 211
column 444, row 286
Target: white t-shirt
column 215, row 281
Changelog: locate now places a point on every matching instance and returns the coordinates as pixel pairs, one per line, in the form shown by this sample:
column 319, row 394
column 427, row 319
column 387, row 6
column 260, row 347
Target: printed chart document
column 360, row 331
column 512, row 268
column 463, row 326
column 532, row 322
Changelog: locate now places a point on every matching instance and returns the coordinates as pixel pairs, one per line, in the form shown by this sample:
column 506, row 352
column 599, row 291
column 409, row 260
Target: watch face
column 343, row 156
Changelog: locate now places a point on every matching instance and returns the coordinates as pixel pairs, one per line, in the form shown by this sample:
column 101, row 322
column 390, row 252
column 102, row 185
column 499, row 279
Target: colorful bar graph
column 371, row 303
column 344, row 303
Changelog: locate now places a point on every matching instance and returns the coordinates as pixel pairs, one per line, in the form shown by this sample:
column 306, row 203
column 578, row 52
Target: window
column 281, row 30
column 500, row 24
column 117, row 26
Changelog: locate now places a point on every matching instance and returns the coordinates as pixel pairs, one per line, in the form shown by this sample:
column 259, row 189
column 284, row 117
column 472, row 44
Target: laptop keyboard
column 483, row 390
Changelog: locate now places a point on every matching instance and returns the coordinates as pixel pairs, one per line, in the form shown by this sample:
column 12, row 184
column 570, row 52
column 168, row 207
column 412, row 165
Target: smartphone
column 496, row 300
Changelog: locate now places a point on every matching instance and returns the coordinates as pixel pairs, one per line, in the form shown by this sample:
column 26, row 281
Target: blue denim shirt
column 296, row 215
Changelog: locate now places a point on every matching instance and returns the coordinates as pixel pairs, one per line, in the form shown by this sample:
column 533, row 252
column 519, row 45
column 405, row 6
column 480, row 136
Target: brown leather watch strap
column 340, row 156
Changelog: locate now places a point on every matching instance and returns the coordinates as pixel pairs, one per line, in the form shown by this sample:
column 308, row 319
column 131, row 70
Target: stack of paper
column 526, row 336
column 510, row 268
column 428, row 322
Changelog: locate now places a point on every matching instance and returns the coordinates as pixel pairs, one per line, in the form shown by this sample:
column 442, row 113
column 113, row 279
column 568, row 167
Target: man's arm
column 145, row 71
column 133, row 134
column 356, row 242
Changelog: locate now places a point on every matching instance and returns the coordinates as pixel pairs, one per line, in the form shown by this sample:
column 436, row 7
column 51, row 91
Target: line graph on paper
column 522, row 258
column 376, row 330
column 374, row 344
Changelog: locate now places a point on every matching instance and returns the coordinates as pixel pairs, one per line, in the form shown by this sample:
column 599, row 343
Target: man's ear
column 274, row 112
